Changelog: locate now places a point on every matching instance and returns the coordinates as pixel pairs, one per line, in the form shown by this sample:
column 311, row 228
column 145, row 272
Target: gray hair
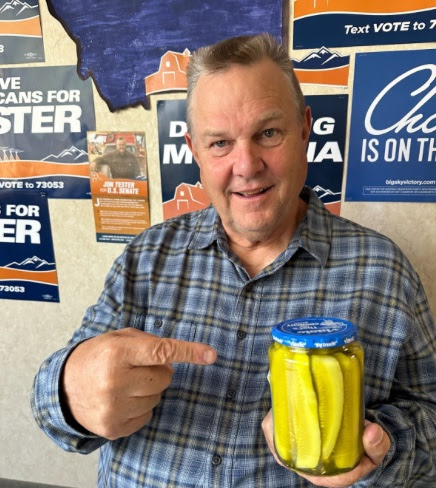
column 242, row 50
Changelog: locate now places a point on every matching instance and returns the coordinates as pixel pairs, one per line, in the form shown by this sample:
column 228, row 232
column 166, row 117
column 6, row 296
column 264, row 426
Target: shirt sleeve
column 46, row 398
column 410, row 416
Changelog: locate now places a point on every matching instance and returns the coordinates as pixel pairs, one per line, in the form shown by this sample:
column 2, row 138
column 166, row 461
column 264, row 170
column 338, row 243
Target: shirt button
column 241, row 335
column 231, row 394
column 216, row 460
column 158, row 323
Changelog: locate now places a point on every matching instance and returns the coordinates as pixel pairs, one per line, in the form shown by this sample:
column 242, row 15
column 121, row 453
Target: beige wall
column 30, row 331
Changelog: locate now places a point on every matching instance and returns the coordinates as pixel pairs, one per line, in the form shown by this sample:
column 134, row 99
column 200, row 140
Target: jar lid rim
column 315, row 332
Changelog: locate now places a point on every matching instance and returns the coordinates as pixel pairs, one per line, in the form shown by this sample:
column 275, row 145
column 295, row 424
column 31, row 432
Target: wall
column 30, row 331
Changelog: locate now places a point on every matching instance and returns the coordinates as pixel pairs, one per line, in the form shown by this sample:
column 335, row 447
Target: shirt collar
column 207, row 229
column 316, row 228
column 313, row 234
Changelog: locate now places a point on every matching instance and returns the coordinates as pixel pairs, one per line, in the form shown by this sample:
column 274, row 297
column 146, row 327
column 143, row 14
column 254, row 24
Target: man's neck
column 257, row 253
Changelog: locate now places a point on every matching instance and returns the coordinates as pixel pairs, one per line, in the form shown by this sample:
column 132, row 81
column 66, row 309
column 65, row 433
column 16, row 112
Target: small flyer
column 119, row 185
column 27, row 263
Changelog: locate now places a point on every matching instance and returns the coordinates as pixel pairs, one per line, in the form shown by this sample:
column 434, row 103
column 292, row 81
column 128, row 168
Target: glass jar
column 316, row 377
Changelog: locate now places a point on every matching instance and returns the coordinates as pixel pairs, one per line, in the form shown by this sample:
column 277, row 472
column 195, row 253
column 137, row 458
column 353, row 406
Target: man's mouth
column 253, row 193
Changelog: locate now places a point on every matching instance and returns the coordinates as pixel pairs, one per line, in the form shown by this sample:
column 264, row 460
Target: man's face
column 251, row 148
column 121, row 146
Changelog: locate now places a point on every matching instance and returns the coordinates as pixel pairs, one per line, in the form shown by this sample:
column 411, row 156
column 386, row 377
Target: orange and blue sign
column 341, row 23
column 45, row 113
column 326, row 148
column 27, row 262
column 323, row 67
column 20, row 32
column 182, row 191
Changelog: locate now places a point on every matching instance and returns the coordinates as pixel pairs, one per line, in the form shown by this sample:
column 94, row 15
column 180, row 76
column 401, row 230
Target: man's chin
column 253, row 230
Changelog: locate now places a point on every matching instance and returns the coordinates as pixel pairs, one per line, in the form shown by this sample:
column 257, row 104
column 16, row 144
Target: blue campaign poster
column 325, row 150
column 392, row 151
column 181, row 188
column 27, row 262
column 45, row 113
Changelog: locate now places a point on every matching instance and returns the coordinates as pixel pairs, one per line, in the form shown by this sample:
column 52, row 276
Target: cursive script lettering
column 413, row 121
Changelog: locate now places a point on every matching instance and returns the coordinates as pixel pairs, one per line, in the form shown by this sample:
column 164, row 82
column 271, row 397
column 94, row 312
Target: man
column 168, row 373
column 120, row 163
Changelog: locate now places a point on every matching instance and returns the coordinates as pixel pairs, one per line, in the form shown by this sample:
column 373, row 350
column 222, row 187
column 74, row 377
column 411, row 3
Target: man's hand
column 376, row 444
column 113, row 381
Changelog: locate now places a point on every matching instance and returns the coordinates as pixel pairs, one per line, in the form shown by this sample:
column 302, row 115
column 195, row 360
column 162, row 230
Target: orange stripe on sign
column 25, row 169
column 308, row 7
column 28, row 27
column 336, row 77
column 25, row 275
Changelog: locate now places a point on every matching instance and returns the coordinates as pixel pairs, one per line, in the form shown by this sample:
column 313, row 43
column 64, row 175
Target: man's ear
column 190, row 142
column 307, row 123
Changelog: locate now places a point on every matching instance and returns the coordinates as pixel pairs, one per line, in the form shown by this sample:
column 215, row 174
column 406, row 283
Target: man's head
column 249, row 131
column 244, row 51
column 121, row 145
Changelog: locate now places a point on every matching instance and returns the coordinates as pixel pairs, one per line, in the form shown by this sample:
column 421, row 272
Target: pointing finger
column 152, row 350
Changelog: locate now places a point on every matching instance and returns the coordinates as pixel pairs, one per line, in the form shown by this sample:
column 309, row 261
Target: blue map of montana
column 120, row 43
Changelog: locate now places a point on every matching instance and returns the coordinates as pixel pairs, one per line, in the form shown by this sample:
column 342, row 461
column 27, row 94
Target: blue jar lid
column 315, row 332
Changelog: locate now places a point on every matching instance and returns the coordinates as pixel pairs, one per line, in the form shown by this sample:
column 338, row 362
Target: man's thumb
column 376, row 443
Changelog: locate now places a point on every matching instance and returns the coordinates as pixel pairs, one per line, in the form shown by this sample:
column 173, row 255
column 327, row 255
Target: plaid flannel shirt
column 180, row 279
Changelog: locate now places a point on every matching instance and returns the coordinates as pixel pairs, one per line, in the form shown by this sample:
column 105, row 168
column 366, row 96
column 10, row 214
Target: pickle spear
column 283, row 441
column 329, row 385
column 349, row 449
column 304, row 413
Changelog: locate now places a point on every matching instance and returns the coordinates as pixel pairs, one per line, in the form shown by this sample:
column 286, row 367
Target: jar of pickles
column 316, row 377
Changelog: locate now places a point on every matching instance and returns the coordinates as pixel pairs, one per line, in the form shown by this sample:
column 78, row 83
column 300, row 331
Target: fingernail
column 377, row 438
column 208, row 356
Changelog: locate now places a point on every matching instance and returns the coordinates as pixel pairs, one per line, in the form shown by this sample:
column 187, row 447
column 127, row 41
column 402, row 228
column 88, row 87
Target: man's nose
column 247, row 159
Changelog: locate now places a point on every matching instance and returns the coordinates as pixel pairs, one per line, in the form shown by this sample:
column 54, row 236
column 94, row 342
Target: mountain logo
column 16, row 9
column 32, row 264
column 331, row 199
column 323, row 67
column 322, row 59
column 326, row 194
column 65, row 156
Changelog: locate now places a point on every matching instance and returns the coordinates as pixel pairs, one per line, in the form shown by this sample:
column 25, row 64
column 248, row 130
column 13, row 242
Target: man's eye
column 270, row 133
column 219, row 143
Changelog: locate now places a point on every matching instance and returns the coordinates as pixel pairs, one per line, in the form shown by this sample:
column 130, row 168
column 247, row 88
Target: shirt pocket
column 168, row 328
